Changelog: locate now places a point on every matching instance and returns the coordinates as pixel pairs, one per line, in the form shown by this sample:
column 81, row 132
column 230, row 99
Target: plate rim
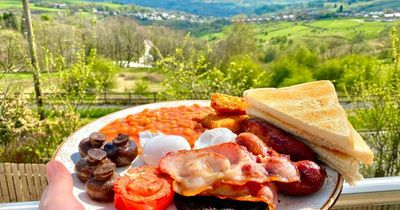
column 336, row 193
column 326, row 206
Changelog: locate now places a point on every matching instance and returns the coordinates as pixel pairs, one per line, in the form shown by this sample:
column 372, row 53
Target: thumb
column 59, row 177
column 59, row 190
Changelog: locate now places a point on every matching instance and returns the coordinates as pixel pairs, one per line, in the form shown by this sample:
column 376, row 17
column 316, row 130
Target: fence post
column 130, row 98
column 155, row 96
column 105, row 97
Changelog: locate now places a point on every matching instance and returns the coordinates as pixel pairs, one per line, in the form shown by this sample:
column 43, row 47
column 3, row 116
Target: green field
column 6, row 4
column 338, row 28
column 24, row 81
column 124, row 82
column 16, row 4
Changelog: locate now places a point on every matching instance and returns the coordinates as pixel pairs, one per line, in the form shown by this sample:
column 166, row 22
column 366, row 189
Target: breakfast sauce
column 167, row 120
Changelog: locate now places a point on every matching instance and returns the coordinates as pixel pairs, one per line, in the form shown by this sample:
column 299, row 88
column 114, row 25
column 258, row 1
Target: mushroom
column 100, row 186
column 122, row 151
column 110, row 149
column 95, row 140
column 85, row 166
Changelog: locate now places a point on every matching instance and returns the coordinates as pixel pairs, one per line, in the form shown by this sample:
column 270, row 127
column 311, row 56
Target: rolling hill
column 344, row 29
column 219, row 8
column 228, row 8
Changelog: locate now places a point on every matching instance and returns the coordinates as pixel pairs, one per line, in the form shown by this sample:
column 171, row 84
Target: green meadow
column 15, row 4
column 337, row 28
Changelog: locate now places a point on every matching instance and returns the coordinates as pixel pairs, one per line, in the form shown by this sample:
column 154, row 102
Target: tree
column 193, row 76
column 10, row 21
column 293, row 67
column 239, row 41
column 340, row 10
column 90, row 73
column 120, row 39
column 379, row 114
column 54, row 43
column 285, row 71
column 13, row 55
column 395, row 43
column 357, row 68
column 32, row 51
column 165, row 45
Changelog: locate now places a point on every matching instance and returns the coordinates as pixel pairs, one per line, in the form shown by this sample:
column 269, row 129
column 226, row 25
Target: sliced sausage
column 312, row 177
column 278, row 140
column 254, row 144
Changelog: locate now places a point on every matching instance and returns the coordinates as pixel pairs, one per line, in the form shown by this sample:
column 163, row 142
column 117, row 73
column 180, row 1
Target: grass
column 16, row 4
column 125, row 81
column 96, row 112
column 6, row 4
column 339, row 28
column 128, row 77
column 16, row 81
column 17, row 76
column 24, row 81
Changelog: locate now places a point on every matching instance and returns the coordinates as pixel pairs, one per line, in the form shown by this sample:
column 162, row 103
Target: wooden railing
column 131, row 98
column 117, row 98
column 21, row 182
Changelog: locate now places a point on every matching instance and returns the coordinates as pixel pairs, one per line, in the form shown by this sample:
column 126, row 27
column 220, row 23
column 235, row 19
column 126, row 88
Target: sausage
column 254, row 144
column 312, row 177
column 278, row 140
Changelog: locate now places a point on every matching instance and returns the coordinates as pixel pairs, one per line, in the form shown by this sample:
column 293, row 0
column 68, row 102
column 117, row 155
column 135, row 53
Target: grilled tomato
column 143, row 188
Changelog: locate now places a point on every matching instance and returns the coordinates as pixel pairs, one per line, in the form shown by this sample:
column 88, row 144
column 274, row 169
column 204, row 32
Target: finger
column 58, row 177
column 59, row 190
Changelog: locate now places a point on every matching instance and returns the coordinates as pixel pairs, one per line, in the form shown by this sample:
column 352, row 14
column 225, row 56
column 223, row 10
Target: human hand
column 58, row 194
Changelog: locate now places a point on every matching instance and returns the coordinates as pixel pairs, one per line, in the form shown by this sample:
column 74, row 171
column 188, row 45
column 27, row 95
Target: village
column 156, row 15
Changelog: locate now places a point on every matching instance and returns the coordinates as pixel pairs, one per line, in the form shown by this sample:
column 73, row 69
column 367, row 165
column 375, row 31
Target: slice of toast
column 310, row 111
column 347, row 166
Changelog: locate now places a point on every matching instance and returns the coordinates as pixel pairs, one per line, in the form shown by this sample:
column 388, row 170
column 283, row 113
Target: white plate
column 68, row 154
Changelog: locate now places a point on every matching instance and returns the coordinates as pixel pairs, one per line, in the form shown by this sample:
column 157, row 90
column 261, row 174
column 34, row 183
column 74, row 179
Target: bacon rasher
column 227, row 168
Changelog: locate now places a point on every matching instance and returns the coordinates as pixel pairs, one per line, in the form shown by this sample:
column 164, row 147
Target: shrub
column 286, row 71
column 89, row 73
column 16, row 119
column 270, row 54
column 103, row 74
column 347, row 71
column 379, row 113
column 26, row 139
column 330, row 70
column 93, row 112
column 13, row 55
column 45, row 17
column 279, row 40
column 357, row 68
column 194, row 77
column 141, row 86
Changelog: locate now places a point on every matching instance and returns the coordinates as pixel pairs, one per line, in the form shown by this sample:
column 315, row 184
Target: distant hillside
column 376, row 5
column 219, row 8
column 228, row 8
column 224, row 8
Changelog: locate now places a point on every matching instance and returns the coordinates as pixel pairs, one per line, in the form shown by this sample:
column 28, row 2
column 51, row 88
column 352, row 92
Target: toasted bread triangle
column 311, row 111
